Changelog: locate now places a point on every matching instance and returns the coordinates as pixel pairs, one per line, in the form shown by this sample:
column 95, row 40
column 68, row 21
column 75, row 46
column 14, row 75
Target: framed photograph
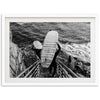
column 48, row 50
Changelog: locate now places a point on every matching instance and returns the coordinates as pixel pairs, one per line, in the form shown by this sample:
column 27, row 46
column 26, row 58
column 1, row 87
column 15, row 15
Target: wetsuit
column 53, row 65
column 38, row 52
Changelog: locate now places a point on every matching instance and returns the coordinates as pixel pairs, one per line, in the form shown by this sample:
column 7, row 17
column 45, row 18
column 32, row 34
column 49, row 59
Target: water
column 72, row 32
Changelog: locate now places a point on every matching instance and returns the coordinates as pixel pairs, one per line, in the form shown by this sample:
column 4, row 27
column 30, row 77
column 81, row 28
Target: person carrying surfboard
column 37, row 47
column 49, row 53
column 51, row 70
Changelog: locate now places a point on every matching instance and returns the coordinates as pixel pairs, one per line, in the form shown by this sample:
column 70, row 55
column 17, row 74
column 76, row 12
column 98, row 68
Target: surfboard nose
column 52, row 32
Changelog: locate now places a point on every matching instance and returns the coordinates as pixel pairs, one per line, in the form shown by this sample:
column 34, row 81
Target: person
column 51, row 70
column 37, row 47
column 53, row 65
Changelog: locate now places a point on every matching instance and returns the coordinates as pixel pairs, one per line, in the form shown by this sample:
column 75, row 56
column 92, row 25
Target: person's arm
column 59, row 48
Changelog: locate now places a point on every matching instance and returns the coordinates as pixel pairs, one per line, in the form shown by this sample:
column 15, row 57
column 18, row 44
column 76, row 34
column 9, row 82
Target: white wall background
column 52, row 7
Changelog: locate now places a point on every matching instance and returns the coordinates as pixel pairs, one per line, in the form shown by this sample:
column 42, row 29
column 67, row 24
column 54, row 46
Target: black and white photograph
column 53, row 50
column 49, row 50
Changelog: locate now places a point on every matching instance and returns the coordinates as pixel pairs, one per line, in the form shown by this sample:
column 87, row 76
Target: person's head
column 37, row 45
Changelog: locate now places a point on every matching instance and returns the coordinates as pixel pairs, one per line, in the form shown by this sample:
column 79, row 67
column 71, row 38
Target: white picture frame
column 6, row 81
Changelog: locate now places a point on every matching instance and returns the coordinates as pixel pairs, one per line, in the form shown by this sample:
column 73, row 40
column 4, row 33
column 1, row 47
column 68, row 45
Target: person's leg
column 54, row 69
column 45, row 72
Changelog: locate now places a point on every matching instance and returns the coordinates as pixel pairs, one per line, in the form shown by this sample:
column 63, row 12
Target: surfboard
column 49, row 48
